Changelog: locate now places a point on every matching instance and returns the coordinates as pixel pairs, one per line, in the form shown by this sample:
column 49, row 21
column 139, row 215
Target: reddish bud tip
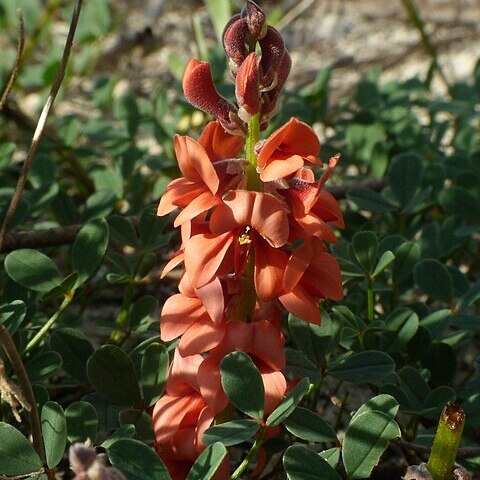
column 273, row 50
column 235, row 40
column 200, row 91
column 255, row 16
column 247, row 86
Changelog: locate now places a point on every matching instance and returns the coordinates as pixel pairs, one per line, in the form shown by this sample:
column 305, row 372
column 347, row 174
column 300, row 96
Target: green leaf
column 32, row 269
column 442, row 363
column 365, row 249
column 136, row 460
column 89, row 248
column 153, row 372
column 43, row 365
column 111, row 372
column 300, row 463
column 122, row 231
column 66, row 286
column 75, row 349
column 125, row 431
column 433, row 278
column 310, row 426
column 142, row 309
column 208, row 462
column 404, row 176
column 54, row 431
column 242, row 383
column 12, row 315
column 301, row 366
column 366, row 438
column 231, row 433
column 367, row 366
column 17, row 456
column 406, row 257
column 381, row 403
column 414, row 386
column 383, row 263
column 369, row 200
column 289, row 403
column 331, row 455
column 82, row 422
column 99, row 205
column 312, row 340
column 402, row 325
column 142, row 422
column 152, row 229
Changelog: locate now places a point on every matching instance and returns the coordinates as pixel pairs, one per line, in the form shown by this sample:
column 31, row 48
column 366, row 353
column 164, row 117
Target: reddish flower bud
column 247, row 89
column 273, row 50
column 200, row 91
column 255, row 16
column 270, row 98
column 235, row 41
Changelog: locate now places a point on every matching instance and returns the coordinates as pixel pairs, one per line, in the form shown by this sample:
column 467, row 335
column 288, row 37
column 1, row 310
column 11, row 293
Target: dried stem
column 37, row 135
column 16, row 65
column 26, row 388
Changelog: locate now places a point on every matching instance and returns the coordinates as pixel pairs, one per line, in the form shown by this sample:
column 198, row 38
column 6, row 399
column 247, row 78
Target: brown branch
column 26, row 387
column 340, row 191
column 37, row 135
column 16, row 65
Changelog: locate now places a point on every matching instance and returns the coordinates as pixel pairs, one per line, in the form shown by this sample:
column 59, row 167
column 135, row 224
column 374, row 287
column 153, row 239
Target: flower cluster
column 254, row 230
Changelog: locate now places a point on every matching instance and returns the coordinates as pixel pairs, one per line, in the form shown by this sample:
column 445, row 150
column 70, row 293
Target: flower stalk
column 446, row 442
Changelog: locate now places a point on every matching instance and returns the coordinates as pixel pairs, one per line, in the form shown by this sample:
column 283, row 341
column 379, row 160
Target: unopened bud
column 273, row 50
column 200, row 91
column 256, row 20
column 247, row 88
column 235, row 40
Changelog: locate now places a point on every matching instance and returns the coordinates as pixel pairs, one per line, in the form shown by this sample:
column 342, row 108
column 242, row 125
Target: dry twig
column 37, row 135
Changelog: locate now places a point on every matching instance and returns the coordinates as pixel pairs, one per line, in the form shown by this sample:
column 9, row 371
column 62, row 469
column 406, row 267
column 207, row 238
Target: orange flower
column 311, row 274
column 180, row 418
column 205, row 174
column 244, row 220
column 263, row 342
column 286, row 150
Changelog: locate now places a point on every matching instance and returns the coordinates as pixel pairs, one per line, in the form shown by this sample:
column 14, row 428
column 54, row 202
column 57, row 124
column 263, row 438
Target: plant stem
column 253, row 136
column 118, row 335
column 26, row 387
column 49, row 324
column 370, row 300
column 252, row 454
column 446, row 442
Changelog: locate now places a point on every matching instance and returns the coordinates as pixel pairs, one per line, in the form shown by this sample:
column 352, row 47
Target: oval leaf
column 112, row 374
column 367, row 366
column 89, row 248
column 433, row 278
column 303, row 464
column 136, row 460
column 208, row 462
column 404, row 176
column 54, row 430
column 242, row 383
column 82, row 422
column 382, row 403
column 310, row 426
column 365, row 249
column 17, row 456
column 289, row 403
column 154, row 371
column 366, row 439
column 32, row 269
column 231, row 433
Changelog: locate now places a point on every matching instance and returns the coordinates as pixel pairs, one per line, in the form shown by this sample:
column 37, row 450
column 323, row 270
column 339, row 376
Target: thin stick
column 294, row 13
column 26, row 387
column 18, row 58
column 37, row 135
column 465, row 452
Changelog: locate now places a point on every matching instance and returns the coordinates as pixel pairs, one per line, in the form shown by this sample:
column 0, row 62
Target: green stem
column 252, row 454
column 370, row 300
column 252, row 138
column 46, row 328
column 118, row 335
column 446, row 442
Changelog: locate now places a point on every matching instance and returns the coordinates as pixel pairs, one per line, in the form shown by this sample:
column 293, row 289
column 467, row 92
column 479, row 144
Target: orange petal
column 268, row 343
column 182, row 375
column 194, row 162
column 198, row 205
column 297, row 264
column 176, row 260
column 168, row 414
column 205, row 419
column 281, row 168
column 269, row 267
column 211, row 296
column 302, row 305
column 219, row 144
column 178, row 314
column 327, row 276
column 201, row 337
column 275, row 386
column 210, row 385
column 203, row 256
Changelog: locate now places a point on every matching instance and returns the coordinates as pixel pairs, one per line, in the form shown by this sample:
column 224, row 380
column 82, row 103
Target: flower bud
column 247, row 89
column 273, row 50
column 200, row 91
column 255, row 16
column 235, row 41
